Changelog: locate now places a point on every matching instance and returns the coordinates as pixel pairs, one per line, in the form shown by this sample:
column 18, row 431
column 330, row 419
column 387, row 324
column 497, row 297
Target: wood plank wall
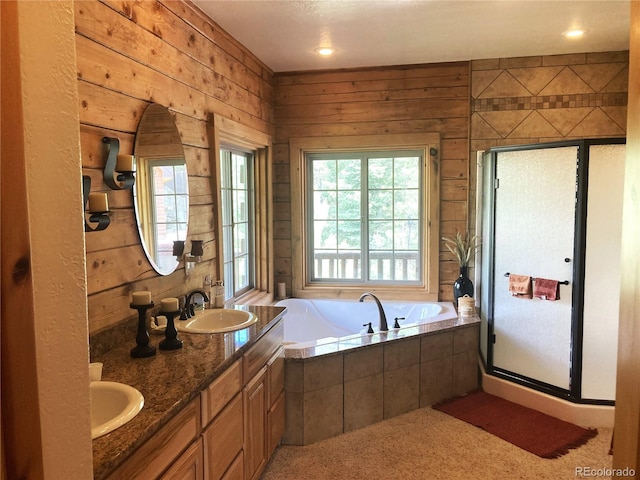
column 369, row 101
column 130, row 54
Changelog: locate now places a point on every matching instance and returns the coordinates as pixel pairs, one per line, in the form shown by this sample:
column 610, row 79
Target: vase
column 462, row 286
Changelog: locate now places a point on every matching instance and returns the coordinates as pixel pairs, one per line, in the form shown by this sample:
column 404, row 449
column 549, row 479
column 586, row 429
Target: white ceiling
column 284, row 33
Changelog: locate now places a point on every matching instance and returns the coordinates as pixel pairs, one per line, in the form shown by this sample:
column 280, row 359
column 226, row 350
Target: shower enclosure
column 552, row 211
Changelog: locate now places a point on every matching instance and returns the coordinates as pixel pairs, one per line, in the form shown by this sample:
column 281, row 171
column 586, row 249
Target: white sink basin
column 112, row 405
column 218, row 320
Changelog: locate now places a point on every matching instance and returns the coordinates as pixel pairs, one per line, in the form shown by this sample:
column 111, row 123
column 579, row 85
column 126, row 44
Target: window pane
column 406, row 204
column 240, row 206
column 225, row 169
column 349, row 174
column 380, row 173
column 324, row 263
column 241, row 273
column 349, row 235
column 324, row 175
column 349, row 205
column 404, row 172
column 381, row 204
column 325, row 234
column 324, row 205
column 380, row 235
column 239, row 180
column 227, row 206
column 182, row 213
column 406, row 235
column 240, row 239
column 181, row 179
column 380, row 266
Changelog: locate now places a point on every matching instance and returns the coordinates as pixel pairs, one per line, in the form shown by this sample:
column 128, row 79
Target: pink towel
column 520, row 286
column 546, row 289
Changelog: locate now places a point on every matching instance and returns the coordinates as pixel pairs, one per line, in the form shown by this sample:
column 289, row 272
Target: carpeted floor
column 429, row 445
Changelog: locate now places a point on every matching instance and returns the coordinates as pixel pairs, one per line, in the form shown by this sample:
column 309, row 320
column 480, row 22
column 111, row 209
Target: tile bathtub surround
column 169, row 381
column 350, row 388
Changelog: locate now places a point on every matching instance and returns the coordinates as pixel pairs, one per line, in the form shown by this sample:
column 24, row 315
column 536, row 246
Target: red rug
column 528, row 429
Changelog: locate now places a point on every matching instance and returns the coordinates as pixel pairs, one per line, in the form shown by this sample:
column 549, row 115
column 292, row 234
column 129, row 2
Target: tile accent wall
column 537, row 99
column 330, row 395
column 516, row 101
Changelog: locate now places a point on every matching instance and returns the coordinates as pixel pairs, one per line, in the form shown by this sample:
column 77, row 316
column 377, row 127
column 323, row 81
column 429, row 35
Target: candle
column 141, row 298
column 282, row 290
column 98, row 202
column 125, row 163
column 169, row 305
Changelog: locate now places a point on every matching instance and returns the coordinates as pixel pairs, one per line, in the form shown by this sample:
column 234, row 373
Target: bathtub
column 319, row 322
column 339, row 378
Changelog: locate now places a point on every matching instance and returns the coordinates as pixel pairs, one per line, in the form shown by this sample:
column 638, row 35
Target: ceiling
column 284, row 33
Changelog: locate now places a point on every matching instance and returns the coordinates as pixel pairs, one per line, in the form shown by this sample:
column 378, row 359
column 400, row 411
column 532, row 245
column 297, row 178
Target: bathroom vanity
column 213, row 409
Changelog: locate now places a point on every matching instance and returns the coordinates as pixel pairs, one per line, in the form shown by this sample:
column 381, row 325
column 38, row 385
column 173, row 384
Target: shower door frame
column 574, row 393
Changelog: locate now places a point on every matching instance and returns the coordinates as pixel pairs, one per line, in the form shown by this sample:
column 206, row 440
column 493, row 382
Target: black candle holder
column 171, row 340
column 100, row 218
column 142, row 349
column 127, row 178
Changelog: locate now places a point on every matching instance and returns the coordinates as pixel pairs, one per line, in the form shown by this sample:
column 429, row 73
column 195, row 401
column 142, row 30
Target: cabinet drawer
column 160, row 451
column 220, row 392
column 223, row 439
column 259, row 354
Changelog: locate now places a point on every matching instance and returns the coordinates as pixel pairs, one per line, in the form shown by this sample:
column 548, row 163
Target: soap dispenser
column 206, row 288
column 219, row 294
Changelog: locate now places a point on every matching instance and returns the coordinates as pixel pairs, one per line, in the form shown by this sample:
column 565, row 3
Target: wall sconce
column 98, row 207
column 124, row 165
column 194, row 257
column 178, row 248
column 197, row 249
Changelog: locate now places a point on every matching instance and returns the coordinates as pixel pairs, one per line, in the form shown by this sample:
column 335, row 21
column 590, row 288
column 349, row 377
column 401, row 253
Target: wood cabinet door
column 275, row 424
column 188, row 466
column 223, row 439
column 255, row 413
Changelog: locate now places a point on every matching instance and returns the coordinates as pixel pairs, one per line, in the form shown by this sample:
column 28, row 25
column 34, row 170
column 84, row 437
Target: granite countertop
column 169, row 381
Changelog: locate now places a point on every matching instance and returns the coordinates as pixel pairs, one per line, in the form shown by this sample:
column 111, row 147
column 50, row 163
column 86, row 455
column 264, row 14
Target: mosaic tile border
column 549, row 102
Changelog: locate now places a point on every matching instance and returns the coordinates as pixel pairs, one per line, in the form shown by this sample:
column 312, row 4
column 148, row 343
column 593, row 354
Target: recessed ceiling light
column 575, row 33
column 325, row 51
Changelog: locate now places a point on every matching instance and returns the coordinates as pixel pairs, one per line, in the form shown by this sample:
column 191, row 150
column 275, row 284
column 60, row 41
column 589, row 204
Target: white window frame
column 364, row 157
column 226, row 133
column 427, row 288
column 230, row 287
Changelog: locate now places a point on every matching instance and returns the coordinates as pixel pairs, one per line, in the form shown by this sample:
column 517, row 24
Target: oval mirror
column 161, row 192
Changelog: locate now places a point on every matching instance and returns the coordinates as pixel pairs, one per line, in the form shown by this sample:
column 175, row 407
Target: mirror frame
column 158, row 139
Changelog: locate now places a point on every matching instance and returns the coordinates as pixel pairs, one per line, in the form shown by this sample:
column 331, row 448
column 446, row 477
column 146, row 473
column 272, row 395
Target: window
column 364, row 216
column 164, row 219
column 247, row 266
column 236, row 185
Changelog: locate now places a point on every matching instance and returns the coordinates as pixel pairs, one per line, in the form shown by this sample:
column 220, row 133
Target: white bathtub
column 315, row 322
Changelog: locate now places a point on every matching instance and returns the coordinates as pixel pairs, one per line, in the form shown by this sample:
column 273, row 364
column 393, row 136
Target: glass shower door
column 535, row 208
